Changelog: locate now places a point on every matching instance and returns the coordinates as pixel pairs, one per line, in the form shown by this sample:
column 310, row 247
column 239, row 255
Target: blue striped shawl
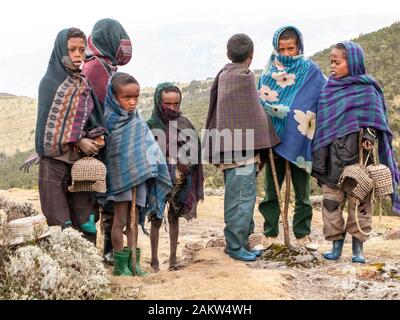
column 289, row 88
column 133, row 156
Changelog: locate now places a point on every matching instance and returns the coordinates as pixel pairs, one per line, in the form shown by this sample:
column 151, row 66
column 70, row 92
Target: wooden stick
column 283, row 212
column 360, row 148
column 275, row 177
column 286, row 206
column 134, row 228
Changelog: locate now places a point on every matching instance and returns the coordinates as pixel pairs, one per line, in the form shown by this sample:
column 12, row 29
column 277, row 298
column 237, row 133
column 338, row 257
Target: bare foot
column 175, row 264
column 155, row 265
column 173, row 261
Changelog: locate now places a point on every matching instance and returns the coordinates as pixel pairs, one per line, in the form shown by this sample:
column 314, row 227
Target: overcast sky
column 28, row 29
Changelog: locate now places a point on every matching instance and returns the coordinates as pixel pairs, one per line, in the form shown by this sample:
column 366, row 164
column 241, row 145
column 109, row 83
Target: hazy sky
column 26, row 27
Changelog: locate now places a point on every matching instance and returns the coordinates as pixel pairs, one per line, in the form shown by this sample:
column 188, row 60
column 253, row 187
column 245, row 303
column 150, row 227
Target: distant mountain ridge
column 18, row 114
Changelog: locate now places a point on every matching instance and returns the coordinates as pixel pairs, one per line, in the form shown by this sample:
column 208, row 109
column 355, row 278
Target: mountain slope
column 18, row 114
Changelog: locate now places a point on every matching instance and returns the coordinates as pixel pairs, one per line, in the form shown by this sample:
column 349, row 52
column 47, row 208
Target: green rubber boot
column 121, row 267
column 138, row 271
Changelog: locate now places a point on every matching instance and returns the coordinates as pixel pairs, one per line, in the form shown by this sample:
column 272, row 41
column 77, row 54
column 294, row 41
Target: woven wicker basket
column 218, row 242
column 382, row 178
column 356, row 181
column 27, row 229
column 88, row 174
column 88, row 169
column 88, row 186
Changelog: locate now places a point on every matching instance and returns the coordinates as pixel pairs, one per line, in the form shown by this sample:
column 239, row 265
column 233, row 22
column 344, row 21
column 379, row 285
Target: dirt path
column 208, row 273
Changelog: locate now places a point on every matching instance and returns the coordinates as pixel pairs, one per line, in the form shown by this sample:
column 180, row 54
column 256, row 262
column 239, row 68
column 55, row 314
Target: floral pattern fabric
column 288, row 90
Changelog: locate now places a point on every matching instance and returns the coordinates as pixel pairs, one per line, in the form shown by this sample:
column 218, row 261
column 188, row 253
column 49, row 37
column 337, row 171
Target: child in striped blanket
column 135, row 166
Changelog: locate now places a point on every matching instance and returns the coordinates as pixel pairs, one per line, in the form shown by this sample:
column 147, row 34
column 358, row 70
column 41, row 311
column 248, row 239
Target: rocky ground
column 208, row 273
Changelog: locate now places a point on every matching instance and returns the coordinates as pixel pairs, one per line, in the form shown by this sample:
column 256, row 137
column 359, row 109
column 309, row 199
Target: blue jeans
column 239, row 201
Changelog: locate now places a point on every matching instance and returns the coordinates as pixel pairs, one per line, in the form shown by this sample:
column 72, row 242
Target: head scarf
column 133, row 156
column 350, row 103
column 67, row 108
column 109, row 46
column 191, row 191
column 289, row 87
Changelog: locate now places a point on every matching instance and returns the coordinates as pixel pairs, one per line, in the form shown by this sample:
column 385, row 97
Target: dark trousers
column 269, row 206
column 57, row 203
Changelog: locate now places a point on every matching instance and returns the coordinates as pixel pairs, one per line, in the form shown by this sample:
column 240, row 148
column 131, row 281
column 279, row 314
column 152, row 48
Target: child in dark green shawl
column 186, row 174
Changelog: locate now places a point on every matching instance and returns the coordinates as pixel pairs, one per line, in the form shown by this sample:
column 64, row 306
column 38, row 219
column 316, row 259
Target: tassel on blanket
column 31, row 160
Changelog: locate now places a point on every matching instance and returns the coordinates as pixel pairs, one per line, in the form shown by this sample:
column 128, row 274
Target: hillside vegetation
column 18, row 114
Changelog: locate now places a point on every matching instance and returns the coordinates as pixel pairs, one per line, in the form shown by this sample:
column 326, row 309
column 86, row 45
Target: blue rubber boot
column 241, row 254
column 357, row 248
column 90, row 226
column 67, row 224
column 256, row 252
column 337, row 248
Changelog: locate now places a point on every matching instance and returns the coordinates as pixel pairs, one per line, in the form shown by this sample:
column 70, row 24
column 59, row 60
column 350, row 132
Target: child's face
column 171, row 100
column 339, row 67
column 76, row 51
column 288, row 47
column 128, row 96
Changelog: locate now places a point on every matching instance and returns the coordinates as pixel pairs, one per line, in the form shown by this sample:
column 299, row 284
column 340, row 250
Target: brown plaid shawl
column 234, row 104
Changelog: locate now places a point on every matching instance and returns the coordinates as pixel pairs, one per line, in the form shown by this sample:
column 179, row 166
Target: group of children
column 305, row 122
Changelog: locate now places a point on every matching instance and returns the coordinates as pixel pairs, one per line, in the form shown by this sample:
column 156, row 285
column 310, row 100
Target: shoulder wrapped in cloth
column 350, row 103
column 133, row 156
column 289, row 88
column 187, row 195
column 68, row 110
column 234, row 105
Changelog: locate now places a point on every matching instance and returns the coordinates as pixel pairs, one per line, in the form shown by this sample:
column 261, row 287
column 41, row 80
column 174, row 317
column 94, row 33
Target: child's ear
column 228, row 55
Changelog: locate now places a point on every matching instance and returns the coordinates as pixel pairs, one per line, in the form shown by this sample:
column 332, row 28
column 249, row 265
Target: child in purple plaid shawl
column 351, row 100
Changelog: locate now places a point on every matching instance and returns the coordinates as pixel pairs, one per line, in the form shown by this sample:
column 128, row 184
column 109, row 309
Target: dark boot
column 357, row 248
column 337, row 248
column 108, row 249
column 121, row 268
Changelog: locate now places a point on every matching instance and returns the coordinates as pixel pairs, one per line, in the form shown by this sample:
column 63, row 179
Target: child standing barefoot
column 186, row 173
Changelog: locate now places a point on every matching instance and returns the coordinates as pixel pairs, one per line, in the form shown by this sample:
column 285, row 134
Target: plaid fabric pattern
column 350, row 103
column 133, row 156
column 234, row 105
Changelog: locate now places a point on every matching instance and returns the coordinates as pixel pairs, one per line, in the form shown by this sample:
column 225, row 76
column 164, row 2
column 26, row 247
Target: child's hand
column 367, row 145
column 99, row 142
column 88, row 146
